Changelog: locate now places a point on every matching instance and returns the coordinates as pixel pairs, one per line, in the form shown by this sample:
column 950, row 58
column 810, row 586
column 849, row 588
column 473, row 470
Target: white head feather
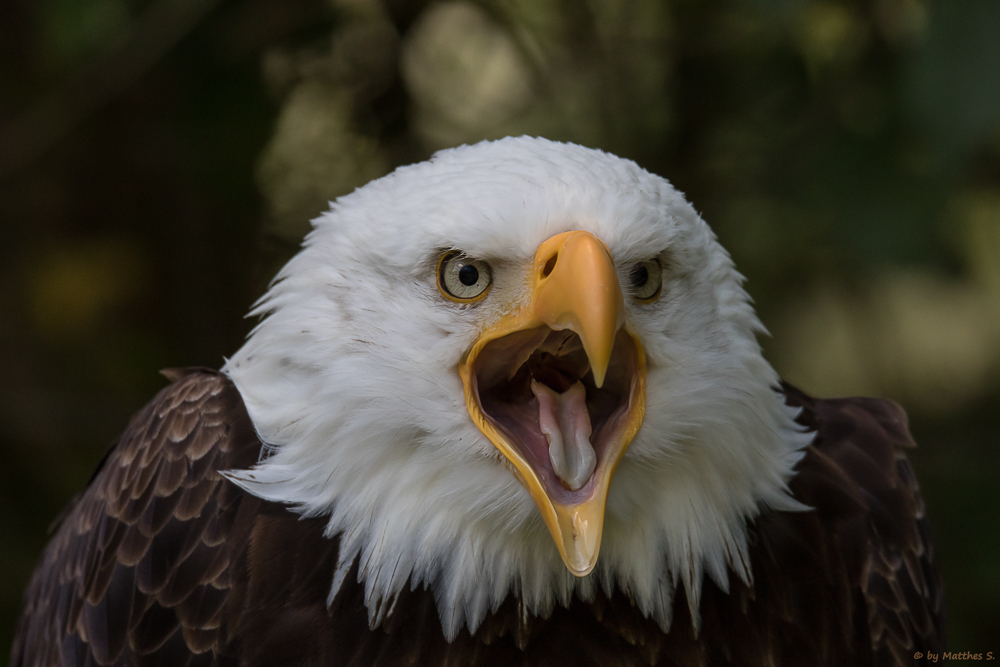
column 351, row 380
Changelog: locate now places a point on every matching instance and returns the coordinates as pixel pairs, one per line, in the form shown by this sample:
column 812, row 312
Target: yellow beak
column 574, row 287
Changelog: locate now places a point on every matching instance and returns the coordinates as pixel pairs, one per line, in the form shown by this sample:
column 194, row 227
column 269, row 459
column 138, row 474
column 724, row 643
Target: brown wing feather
column 870, row 525
column 163, row 562
column 139, row 566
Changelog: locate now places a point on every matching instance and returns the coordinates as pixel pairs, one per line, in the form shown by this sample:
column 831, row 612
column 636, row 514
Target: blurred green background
column 160, row 159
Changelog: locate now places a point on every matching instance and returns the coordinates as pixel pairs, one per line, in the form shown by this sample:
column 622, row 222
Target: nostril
column 549, row 265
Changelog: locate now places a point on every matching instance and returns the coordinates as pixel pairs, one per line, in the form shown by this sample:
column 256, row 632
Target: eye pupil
column 639, row 275
column 468, row 275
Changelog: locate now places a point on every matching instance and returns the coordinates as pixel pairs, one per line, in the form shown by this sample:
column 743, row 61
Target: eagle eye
column 647, row 280
column 462, row 278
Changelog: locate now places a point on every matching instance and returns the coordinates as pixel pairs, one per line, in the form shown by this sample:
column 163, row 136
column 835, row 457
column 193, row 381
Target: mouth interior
column 537, row 388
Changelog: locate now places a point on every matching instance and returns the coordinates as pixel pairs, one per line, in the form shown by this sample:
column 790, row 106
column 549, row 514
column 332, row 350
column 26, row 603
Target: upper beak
column 574, row 287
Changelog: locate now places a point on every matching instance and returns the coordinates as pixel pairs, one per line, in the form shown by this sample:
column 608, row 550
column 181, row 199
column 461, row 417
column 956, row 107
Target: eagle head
column 522, row 367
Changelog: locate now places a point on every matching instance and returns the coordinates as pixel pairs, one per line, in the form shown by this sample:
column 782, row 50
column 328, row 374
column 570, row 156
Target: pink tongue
column 565, row 422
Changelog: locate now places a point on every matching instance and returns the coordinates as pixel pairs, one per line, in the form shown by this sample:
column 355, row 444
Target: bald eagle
column 505, row 407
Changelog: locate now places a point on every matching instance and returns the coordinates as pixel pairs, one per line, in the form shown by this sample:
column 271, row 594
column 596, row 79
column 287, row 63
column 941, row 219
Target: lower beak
column 575, row 290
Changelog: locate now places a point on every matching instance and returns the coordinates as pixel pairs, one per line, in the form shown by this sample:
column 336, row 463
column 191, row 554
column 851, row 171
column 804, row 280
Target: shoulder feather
column 140, row 562
column 858, row 479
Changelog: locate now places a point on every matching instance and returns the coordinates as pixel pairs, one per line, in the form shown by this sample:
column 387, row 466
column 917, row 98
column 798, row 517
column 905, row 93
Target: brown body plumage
column 162, row 561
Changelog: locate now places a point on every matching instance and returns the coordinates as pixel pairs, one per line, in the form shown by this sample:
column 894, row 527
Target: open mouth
column 536, row 388
column 559, row 387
